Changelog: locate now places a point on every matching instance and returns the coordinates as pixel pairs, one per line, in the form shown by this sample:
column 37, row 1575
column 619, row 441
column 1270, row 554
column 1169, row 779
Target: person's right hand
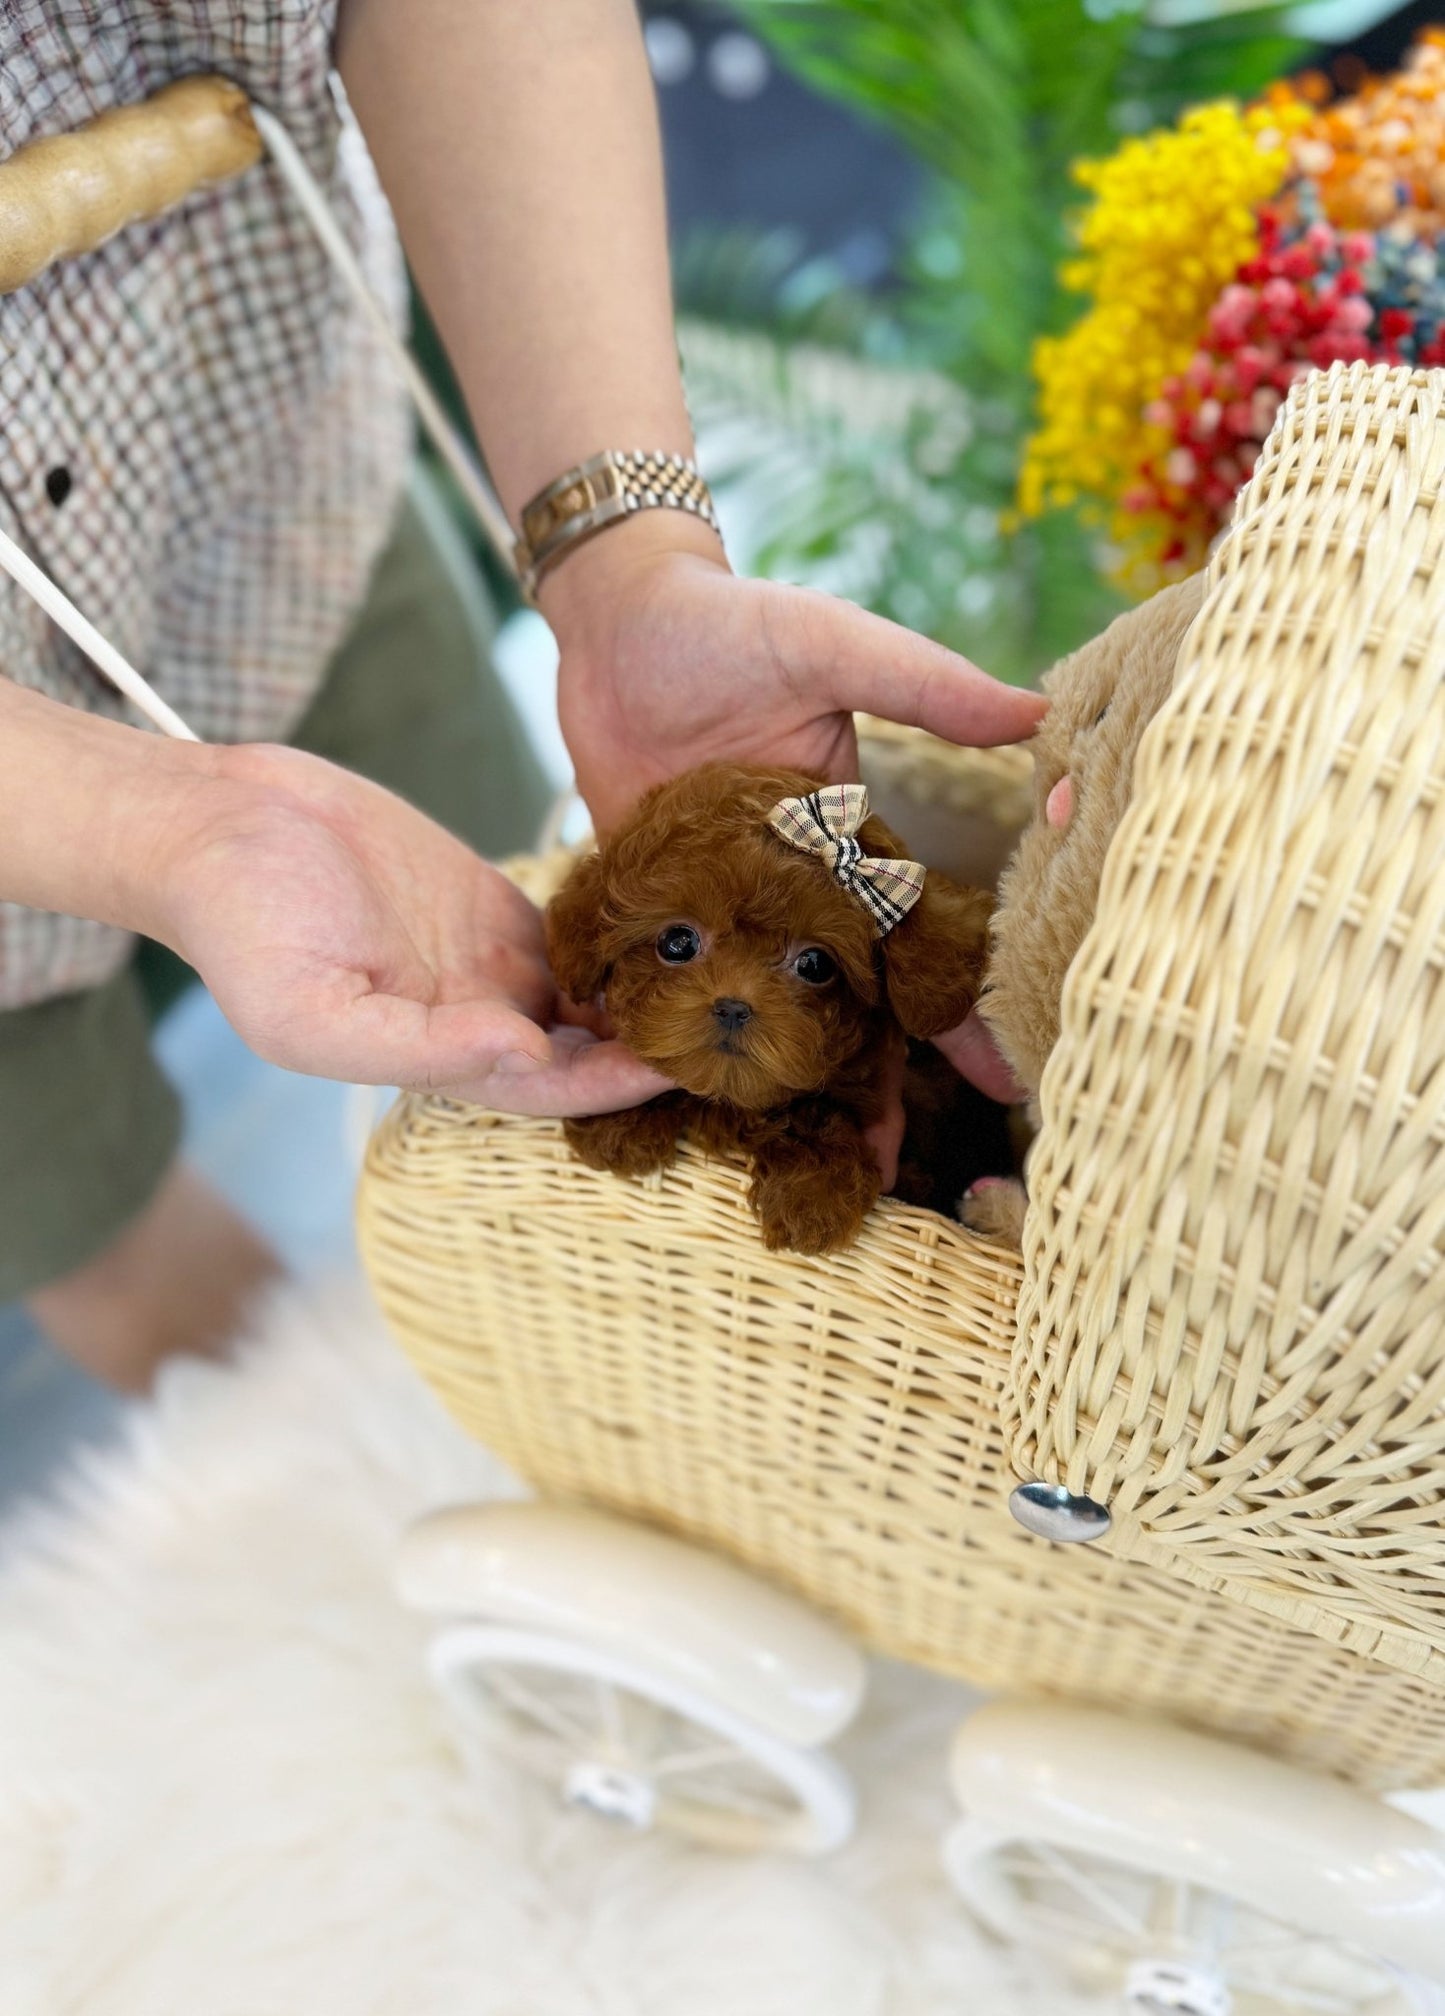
column 344, row 934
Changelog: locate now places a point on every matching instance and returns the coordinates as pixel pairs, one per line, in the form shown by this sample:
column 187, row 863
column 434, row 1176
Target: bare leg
column 177, row 1279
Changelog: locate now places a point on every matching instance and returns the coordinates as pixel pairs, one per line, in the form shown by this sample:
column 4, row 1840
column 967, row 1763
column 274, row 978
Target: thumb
column 484, row 1051
column 885, row 1136
column 584, row 1075
column 872, row 666
column 388, row 1039
column 973, row 1053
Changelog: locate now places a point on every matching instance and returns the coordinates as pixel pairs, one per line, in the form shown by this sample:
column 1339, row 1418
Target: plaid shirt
column 199, row 440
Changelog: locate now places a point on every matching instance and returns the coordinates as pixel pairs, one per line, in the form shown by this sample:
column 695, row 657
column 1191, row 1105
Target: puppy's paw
column 809, row 1205
column 994, row 1207
column 627, row 1144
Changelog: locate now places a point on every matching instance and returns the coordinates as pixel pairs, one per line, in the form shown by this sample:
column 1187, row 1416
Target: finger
column 885, row 1143
column 872, row 666
column 584, row 1076
column 482, row 1051
column 972, row 1052
column 386, row 1039
column 885, row 1136
column 588, row 1015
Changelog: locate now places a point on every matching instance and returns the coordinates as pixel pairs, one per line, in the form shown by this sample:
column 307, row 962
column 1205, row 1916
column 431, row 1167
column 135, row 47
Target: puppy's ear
column 575, row 926
column 934, row 960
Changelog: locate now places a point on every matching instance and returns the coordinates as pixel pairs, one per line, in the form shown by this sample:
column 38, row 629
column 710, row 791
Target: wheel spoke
column 643, row 1720
column 1267, row 1939
column 535, row 1750
column 612, row 1717
column 1288, row 1954
column 706, row 1758
column 1223, row 1920
column 1078, row 1931
column 1078, row 1901
column 543, row 1711
column 607, row 1734
column 727, row 1799
column 1091, row 1892
column 1301, row 1999
column 1177, row 1911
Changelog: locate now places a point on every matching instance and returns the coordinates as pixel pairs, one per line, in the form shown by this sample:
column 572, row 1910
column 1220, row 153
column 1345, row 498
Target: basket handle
column 68, row 193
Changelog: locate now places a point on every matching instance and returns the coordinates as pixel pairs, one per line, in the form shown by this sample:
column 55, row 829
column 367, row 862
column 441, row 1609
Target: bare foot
column 177, row 1279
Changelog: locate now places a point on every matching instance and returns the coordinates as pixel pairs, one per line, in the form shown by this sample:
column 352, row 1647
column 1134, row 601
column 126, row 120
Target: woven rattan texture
column 837, row 1424
column 1232, row 1325
column 958, row 813
column 996, row 785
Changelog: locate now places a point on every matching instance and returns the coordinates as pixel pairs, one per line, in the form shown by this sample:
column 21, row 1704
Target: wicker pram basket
column 1226, row 1322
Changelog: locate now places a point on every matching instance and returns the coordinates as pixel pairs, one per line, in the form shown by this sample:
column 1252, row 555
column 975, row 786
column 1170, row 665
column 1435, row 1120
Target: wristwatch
column 599, row 492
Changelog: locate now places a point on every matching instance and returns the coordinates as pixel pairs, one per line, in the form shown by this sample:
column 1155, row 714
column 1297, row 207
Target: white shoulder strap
column 449, row 444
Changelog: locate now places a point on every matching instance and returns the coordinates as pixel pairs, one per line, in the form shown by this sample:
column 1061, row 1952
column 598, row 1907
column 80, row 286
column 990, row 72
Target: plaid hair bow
column 824, row 824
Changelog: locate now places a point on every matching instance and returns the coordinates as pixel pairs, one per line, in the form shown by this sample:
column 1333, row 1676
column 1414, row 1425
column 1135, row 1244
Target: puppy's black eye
column 1098, row 718
column 677, row 944
column 815, row 966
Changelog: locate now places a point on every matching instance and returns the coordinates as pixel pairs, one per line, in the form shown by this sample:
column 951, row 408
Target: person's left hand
column 669, row 660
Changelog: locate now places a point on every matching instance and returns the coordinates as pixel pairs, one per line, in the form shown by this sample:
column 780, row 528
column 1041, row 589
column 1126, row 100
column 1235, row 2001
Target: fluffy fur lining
column 226, row 1786
column 1104, row 697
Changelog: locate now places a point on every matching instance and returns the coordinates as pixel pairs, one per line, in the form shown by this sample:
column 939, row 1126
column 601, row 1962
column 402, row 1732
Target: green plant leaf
column 997, row 98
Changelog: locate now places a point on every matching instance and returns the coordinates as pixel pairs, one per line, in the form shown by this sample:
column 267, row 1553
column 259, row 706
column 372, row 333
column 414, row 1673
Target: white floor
column 276, row 1144
column 226, row 1785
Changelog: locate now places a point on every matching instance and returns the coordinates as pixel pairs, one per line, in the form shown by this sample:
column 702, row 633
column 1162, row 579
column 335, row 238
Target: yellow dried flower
column 1171, row 222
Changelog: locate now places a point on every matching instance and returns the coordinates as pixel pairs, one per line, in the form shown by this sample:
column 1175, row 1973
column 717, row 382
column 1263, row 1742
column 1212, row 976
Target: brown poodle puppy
column 763, row 979
column 1104, row 697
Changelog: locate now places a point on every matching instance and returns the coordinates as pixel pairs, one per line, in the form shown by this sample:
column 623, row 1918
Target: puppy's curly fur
column 1103, row 698
column 795, row 1080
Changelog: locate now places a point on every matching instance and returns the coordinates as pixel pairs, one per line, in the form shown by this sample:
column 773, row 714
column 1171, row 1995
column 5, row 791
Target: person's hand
column 344, row 934
column 973, row 1053
column 668, row 660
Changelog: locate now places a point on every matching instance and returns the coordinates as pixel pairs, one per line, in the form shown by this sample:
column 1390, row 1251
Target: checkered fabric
column 825, row 823
column 199, row 439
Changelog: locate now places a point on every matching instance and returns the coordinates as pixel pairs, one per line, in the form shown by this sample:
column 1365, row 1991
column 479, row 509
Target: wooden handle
column 68, row 194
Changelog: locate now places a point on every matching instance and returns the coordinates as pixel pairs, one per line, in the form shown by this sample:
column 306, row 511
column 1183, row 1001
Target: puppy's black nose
column 731, row 1015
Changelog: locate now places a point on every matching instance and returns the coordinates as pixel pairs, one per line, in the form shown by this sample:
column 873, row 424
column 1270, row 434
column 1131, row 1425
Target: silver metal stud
column 1053, row 1513
column 1176, row 1988
column 612, row 1792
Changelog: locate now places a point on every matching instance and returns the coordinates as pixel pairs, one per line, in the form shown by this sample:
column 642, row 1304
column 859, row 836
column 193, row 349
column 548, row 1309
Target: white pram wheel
column 1179, row 1875
column 649, row 1682
column 1161, row 1948
column 635, row 1747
